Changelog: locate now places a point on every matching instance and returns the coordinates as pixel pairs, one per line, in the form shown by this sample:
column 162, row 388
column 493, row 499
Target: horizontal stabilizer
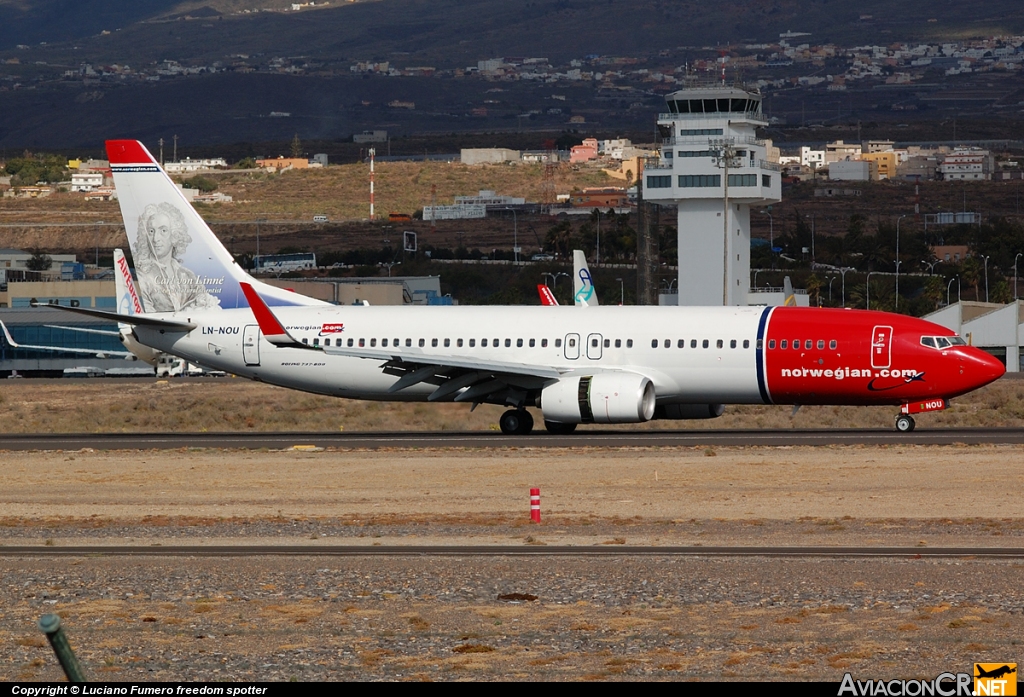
column 98, row 353
column 141, row 320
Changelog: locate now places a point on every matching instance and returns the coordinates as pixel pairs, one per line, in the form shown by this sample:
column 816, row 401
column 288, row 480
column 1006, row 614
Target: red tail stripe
column 128, row 152
column 264, row 317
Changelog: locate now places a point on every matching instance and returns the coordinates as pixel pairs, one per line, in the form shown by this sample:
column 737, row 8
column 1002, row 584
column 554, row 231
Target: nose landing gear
column 516, row 422
column 905, row 423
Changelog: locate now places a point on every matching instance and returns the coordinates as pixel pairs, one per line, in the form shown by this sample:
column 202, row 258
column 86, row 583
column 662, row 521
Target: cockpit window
column 942, row 342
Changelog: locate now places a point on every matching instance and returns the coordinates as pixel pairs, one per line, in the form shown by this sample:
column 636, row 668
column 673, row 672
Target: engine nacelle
column 606, row 398
column 689, row 411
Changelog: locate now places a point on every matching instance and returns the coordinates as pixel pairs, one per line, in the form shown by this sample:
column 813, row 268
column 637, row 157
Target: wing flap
column 448, row 361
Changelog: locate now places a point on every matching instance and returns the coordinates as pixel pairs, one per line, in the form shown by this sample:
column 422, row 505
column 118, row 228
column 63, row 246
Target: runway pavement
column 491, row 440
column 502, row 550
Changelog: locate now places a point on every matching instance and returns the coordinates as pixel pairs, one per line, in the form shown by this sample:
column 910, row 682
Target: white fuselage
column 565, row 338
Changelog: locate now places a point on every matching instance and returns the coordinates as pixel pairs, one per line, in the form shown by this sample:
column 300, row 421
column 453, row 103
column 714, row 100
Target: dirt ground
column 502, row 618
column 235, row 404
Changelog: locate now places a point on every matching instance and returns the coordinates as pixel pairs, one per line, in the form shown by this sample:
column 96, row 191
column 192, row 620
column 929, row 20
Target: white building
column 967, row 164
column 189, row 165
column 840, row 151
column 486, row 197
column 488, row 156
column 850, row 171
column 812, row 158
column 713, row 200
column 86, row 181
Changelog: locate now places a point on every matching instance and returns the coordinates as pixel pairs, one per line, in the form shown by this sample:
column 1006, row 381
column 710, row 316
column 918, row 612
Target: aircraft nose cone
column 985, row 368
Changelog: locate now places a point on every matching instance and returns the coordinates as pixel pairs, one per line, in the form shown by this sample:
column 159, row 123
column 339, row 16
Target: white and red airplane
column 609, row 364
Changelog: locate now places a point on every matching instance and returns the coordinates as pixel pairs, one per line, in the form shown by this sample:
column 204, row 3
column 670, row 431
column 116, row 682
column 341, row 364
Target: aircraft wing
column 463, row 378
column 96, row 353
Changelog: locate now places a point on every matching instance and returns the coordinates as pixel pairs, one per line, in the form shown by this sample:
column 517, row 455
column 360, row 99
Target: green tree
column 39, row 261
column 204, row 184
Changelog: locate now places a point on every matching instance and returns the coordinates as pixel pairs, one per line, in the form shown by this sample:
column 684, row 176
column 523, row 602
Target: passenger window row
column 808, row 344
column 705, row 343
column 460, row 343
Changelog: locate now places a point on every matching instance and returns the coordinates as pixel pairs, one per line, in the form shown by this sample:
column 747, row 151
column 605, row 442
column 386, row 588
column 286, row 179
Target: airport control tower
column 714, row 169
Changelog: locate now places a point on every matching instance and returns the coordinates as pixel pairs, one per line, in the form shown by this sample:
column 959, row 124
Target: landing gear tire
column 557, row 428
column 904, row 423
column 516, row 422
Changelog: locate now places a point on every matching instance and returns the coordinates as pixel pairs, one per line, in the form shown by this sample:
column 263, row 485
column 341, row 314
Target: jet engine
column 682, row 412
column 606, row 398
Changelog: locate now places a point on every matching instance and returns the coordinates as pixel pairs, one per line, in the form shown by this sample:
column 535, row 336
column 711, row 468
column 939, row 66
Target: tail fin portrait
column 180, row 263
column 583, row 291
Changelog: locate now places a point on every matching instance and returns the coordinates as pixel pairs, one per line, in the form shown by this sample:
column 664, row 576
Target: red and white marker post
column 535, row 505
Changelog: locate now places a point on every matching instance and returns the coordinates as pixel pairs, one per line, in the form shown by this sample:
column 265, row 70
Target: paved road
column 501, row 551
column 487, row 440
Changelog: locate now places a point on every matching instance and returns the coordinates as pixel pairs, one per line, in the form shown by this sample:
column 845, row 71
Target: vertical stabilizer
column 546, row 296
column 583, row 291
column 129, row 303
column 787, row 291
column 179, row 262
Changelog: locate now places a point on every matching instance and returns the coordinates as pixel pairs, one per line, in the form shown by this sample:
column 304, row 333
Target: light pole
column 898, row 260
column 622, row 292
column 723, row 156
column 843, row 272
column 555, row 282
column 812, row 240
column 1015, row 274
column 755, row 278
column 867, row 297
column 930, row 265
column 986, row 258
column 515, row 236
column 830, row 281
column 597, row 255
column 390, row 264
column 546, row 276
column 949, row 285
column 256, row 265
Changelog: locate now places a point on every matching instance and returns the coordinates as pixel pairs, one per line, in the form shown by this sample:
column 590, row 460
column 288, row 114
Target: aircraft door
column 251, row 344
column 594, row 347
column 572, row 346
column 881, row 347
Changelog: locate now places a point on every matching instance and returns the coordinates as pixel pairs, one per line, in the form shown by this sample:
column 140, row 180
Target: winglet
column 7, row 335
column 273, row 330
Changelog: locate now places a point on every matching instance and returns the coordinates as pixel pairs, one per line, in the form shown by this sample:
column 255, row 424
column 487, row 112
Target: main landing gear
column 516, row 422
